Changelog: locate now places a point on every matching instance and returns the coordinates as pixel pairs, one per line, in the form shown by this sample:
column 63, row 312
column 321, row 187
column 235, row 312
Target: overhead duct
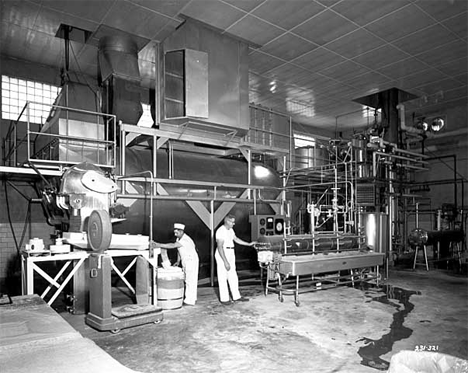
column 204, row 80
column 120, row 75
column 388, row 102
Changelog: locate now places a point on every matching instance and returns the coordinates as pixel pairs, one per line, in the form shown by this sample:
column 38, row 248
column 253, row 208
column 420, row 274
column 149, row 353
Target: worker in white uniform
column 189, row 257
column 226, row 261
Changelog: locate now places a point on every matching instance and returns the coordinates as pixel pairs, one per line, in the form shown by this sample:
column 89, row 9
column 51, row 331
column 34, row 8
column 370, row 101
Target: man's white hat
column 179, row 226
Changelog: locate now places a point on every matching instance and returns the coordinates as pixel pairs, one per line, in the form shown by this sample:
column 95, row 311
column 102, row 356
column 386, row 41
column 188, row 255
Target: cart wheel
column 99, row 230
column 115, row 331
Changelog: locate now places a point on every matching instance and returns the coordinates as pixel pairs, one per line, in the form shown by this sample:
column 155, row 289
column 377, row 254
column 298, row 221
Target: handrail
column 100, row 119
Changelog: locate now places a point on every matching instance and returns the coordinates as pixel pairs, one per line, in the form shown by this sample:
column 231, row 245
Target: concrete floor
column 342, row 329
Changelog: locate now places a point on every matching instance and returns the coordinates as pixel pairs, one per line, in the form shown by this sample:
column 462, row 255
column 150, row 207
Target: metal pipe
column 212, row 244
column 249, row 171
column 190, row 198
column 29, row 131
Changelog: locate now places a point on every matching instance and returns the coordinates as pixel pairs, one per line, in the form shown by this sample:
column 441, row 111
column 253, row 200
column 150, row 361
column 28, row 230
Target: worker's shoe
column 227, row 303
column 188, row 304
column 241, row 299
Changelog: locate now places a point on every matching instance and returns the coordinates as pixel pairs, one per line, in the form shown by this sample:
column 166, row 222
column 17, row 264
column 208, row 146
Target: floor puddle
column 371, row 353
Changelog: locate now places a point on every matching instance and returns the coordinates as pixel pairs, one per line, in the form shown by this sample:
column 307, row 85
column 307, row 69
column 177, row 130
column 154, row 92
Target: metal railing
column 69, row 136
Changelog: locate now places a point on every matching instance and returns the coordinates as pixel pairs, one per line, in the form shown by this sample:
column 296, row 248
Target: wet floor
column 373, row 350
column 343, row 329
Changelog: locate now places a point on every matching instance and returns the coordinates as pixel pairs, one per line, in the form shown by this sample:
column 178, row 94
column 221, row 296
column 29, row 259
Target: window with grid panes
column 15, row 93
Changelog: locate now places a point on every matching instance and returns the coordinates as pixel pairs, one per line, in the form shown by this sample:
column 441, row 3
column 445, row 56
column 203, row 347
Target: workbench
column 74, row 262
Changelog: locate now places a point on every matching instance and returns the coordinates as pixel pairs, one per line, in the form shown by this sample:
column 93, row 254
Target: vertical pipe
column 212, row 243
column 171, row 159
column 455, row 191
column 155, row 157
column 158, row 87
column 29, row 132
column 417, row 215
column 249, row 172
column 291, row 143
column 391, row 211
column 151, row 207
column 283, row 193
column 15, row 134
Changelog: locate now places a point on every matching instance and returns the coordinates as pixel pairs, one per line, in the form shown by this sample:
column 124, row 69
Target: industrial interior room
column 234, row 186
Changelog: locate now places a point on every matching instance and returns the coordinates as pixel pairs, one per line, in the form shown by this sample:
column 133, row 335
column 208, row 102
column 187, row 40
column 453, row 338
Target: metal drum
column 170, row 288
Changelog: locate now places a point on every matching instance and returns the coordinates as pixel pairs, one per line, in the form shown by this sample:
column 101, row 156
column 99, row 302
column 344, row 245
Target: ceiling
column 309, row 58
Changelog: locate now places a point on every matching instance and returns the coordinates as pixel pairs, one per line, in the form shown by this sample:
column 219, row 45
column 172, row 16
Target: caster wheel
column 281, row 298
column 157, row 322
column 115, row 331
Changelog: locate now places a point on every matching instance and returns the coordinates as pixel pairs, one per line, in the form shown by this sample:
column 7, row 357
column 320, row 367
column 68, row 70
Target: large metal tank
column 375, row 228
column 311, row 156
column 199, row 167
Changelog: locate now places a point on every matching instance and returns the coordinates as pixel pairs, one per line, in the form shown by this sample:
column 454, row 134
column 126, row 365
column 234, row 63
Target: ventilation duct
column 205, row 80
column 120, row 75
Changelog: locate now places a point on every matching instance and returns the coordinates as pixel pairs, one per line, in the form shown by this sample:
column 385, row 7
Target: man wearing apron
column 226, row 261
column 189, row 257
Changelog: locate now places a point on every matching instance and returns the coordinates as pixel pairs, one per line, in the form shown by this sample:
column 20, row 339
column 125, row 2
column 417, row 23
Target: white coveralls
column 225, row 277
column 189, row 258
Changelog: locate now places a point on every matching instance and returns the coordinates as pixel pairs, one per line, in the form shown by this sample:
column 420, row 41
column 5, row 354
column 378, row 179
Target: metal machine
column 335, row 259
column 337, row 242
column 447, row 239
column 86, row 198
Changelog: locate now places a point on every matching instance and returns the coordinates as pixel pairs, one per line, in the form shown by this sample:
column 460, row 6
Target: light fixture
column 437, row 124
column 433, row 123
column 422, row 124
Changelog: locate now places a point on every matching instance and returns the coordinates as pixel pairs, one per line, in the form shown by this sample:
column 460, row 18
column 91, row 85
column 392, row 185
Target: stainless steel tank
column 375, row 228
column 363, row 168
column 311, row 156
column 199, row 167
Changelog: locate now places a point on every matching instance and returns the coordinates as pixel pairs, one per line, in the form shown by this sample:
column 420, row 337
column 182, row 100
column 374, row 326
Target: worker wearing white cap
column 188, row 254
column 226, row 261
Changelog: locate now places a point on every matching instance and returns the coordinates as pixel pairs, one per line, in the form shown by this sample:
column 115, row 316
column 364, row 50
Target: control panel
column 266, row 225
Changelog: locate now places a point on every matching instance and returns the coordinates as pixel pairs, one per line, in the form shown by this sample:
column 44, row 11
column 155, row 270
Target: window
column 15, row 93
column 301, row 141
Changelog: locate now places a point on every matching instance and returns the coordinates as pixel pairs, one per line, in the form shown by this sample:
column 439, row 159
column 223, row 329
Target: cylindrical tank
column 311, row 156
column 420, row 236
column 304, row 244
column 197, row 167
column 360, row 157
column 375, row 228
